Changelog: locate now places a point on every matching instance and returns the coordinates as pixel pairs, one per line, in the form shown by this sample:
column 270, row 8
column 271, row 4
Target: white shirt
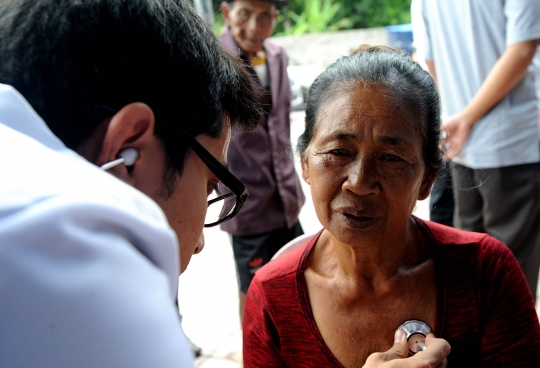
column 536, row 70
column 88, row 265
column 465, row 38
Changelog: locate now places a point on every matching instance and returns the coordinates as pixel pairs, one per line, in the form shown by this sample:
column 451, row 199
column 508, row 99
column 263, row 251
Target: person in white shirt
column 115, row 119
column 480, row 54
column 536, row 67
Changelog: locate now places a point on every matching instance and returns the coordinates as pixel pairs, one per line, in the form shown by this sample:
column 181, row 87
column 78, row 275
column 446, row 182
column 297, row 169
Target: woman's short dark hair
column 66, row 56
column 404, row 79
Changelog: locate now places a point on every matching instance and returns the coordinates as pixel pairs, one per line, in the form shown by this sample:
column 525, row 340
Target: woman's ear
column 425, row 187
column 131, row 127
column 305, row 169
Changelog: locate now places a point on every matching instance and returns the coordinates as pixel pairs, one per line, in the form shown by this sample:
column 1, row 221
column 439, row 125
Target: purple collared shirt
column 263, row 160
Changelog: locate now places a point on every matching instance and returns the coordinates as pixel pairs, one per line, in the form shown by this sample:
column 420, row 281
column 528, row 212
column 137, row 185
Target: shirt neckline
column 308, row 312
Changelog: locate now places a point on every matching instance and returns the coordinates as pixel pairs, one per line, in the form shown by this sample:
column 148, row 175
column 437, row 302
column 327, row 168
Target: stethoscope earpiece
column 127, row 156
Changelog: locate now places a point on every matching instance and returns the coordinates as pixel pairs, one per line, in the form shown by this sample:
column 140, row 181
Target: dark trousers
column 254, row 251
column 441, row 200
column 504, row 203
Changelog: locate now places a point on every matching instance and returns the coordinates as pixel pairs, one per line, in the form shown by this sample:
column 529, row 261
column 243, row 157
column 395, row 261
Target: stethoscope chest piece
column 416, row 332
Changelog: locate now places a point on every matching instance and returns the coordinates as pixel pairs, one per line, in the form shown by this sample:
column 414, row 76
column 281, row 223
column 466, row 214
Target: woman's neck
column 375, row 265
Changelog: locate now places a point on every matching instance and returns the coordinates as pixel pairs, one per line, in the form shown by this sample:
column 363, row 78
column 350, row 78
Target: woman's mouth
column 358, row 221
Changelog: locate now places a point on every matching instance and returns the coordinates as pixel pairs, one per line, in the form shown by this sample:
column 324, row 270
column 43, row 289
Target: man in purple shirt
column 262, row 160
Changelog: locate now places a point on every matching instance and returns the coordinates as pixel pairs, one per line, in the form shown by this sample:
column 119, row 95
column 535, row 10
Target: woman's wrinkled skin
column 365, row 166
column 371, row 269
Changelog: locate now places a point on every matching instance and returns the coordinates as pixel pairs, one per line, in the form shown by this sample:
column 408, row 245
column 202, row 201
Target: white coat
column 88, row 265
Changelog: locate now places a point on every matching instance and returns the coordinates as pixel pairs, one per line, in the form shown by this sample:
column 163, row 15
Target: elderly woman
column 370, row 150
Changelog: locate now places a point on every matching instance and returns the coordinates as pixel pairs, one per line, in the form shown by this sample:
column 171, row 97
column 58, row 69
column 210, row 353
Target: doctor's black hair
column 66, row 56
column 409, row 85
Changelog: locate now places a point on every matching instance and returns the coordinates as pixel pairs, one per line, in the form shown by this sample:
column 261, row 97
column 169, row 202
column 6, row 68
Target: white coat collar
column 17, row 114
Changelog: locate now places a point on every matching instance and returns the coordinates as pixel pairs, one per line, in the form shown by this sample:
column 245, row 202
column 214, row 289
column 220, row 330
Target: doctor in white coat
column 115, row 118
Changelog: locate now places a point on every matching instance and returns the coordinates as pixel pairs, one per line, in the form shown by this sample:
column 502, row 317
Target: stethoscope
column 416, row 332
column 127, row 157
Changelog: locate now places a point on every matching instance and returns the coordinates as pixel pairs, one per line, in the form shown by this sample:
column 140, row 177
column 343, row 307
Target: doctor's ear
column 129, row 133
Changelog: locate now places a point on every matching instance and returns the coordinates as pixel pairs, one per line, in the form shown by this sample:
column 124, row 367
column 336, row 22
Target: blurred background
column 314, row 34
column 312, row 16
column 317, row 32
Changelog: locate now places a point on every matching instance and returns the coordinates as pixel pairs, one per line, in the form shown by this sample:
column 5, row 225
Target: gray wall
column 325, row 48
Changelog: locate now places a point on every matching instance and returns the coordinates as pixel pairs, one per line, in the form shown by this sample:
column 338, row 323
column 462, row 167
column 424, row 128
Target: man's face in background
column 250, row 22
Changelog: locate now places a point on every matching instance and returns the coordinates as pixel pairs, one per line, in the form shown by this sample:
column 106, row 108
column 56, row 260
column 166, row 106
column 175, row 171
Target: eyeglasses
column 223, row 204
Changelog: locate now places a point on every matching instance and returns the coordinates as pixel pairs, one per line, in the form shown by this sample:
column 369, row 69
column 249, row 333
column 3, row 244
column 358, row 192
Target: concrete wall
column 325, row 48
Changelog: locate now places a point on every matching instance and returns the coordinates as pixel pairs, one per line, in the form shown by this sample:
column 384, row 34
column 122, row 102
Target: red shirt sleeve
column 511, row 336
column 261, row 340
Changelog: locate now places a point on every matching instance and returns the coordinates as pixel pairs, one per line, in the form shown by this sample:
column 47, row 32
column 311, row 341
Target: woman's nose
column 362, row 178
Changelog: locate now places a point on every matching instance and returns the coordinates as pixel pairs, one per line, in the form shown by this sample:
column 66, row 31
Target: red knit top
column 484, row 307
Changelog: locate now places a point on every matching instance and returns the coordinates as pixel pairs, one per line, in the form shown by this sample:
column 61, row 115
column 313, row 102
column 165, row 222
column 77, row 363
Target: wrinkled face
column 186, row 207
column 251, row 22
column 365, row 165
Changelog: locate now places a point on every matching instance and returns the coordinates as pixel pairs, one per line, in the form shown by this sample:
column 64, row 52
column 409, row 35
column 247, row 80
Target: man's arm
column 507, row 72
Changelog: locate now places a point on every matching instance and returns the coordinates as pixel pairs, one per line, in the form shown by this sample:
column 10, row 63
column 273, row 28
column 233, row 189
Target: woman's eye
column 392, row 158
column 339, row 152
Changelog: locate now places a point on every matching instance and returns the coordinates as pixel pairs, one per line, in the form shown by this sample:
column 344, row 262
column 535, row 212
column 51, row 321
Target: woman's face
column 365, row 165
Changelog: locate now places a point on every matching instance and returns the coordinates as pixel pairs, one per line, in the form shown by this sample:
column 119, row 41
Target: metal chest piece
column 416, row 332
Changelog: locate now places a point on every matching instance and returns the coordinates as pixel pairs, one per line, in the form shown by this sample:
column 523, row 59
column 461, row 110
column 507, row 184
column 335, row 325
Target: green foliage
column 219, row 23
column 303, row 16
column 376, row 13
column 328, row 15
column 217, row 3
column 318, row 16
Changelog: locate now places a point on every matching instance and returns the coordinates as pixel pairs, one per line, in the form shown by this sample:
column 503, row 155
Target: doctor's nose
column 200, row 245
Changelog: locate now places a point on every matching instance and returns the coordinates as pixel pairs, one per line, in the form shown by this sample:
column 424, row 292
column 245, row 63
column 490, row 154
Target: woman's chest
column 354, row 329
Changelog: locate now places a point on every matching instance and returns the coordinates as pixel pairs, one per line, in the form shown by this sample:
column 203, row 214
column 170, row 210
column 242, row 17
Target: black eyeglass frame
column 223, row 174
